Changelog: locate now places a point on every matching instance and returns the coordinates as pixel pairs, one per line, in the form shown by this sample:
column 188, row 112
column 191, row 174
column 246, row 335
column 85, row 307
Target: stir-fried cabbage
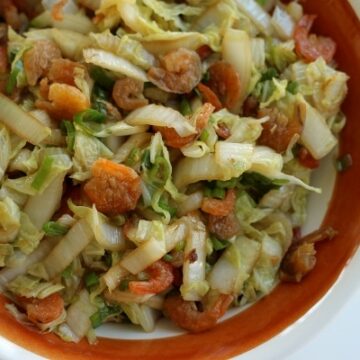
column 234, row 266
column 78, row 315
column 124, row 46
column 194, row 285
column 5, row 145
column 9, row 220
column 29, row 236
column 67, row 249
column 158, row 115
column 235, row 42
column 124, row 201
column 87, row 149
column 316, row 135
column 109, row 61
column 322, row 85
column 29, row 286
column 55, row 161
column 163, row 43
column 259, row 16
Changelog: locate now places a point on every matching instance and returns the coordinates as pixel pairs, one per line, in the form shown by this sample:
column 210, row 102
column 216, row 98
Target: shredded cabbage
column 234, row 266
column 126, row 47
column 194, row 285
column 29, row 286
column 9, row 220
column 91, row 231
column 29, row 236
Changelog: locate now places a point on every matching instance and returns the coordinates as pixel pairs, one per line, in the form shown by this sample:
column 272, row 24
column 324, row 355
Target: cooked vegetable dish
column 156, row 157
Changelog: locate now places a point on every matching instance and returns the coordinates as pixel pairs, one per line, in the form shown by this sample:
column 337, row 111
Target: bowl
column 288, row 302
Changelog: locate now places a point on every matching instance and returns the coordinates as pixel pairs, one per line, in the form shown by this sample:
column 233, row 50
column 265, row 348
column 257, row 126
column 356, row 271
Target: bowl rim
column 47, row 344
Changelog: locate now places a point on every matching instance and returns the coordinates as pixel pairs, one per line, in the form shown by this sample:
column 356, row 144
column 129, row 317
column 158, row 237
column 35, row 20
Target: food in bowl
column 157, row 158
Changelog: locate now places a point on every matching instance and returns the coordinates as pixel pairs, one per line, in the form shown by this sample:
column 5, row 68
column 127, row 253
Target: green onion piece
column 262, row 2
column 102, row 78
column 148, row 84
column 103, row 314
column 160, row 171
column 96, row 320
column 185, row 107
column 269, row 74
column 52, row 228
column 99, row 106
column 168, row 257
column 99, row 93
column 124, row 285
column 42, row 173
column 90, row 115
column 145, row 160
column 293, row 87
column 91, row 279
column 180, row 246
column 206, row 77
column 344, row 163
column 12, row 81
column 134, row 157
column 198, row 93
column 204, row 135
column 258, row 185
column 163, row 203
column 66, row 274
column 219, row 244
column 267, row 90
column 107, row 258
column 229, row 184
column 118, row 220
column 218, row 193
column 207, row 191
column 280, row 182
column 68, row 128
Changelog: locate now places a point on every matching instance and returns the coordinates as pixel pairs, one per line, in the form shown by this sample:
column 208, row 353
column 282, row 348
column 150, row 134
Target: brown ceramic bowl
column 287, row 302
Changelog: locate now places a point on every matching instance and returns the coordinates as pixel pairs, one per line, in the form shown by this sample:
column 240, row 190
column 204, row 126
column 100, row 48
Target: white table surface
column 340, row 339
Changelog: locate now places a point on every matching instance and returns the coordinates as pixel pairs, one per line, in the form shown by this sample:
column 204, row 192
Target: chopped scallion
column 66, row 274
column 91, row 279
column 269, row 74
column 12, row 81
column 163, row 203
column 218, row 193
column 103, row 314
column 262, row 2
column 160, row 171
column 204, row 135
column 107, row 258
column 219, row 244
column 96, row 320
column 90, row 115
column 293, row 87
column 102, row 78
column 134, row 157
column 52, row 228
column 206, row 77
column 68, row 128
column 168, row 257
column 229, row 184
column 185, row 107
column 146, row 159
column 124, row 285
column 42, row 173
